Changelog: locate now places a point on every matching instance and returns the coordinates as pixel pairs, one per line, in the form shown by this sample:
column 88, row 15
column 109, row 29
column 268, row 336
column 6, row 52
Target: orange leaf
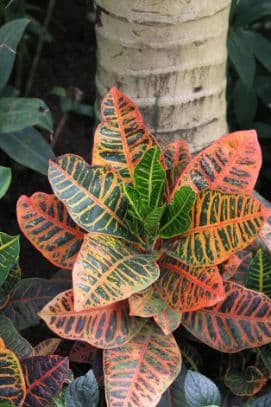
column 138, row 373
column 230, row 164
column 241, row 321
column 185, row 288
column 105, row 327
column 45, row 222
column 122, row 139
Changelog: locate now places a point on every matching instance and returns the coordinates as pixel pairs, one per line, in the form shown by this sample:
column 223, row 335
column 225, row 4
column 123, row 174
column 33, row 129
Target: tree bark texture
column 170, row 57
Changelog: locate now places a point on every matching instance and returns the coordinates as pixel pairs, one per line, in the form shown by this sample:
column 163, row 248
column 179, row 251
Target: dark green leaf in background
column 29, row 148
column 5, row 180
column 245, row 102
column 18, row 113
column 241, row 54
column 10, row 35
column 9, row 253
column 200, row 391
column 83, row 391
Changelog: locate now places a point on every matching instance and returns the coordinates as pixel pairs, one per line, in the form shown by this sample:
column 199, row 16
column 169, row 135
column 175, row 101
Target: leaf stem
column 36, row 59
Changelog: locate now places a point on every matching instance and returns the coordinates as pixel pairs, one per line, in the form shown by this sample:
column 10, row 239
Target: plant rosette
column 148, row 233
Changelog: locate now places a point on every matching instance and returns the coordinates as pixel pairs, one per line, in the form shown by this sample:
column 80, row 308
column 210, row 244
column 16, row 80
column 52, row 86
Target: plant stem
column 59, row 129
column 39, row 48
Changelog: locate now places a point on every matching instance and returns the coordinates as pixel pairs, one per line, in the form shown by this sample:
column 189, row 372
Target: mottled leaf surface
column 106, row 327
column 221, row 225
column 121, row 139
column 44, row 378
column 12, row 385
column 151, row 362
column 108, row 270
column 241, row 321
column 45, row 222
column 92, row 195
column 185, row 288
column 231, row 164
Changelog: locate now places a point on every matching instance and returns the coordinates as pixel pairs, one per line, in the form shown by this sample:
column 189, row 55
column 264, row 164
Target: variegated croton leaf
column 44, row 220
column 231, row 164
column 121, row 139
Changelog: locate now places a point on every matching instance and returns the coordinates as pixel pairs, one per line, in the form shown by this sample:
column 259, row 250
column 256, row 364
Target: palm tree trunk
column 170, row 57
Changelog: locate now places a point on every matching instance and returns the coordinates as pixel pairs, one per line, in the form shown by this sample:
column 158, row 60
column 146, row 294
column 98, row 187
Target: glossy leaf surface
column 9, row 253
column 122, row 139
column 176, row 157
column 185, row 288
column 176, row 219
column 150, row 178
column 259, row 273
column 221, row 225
column 46, row 223
column 12, row 385
column 92, row 195
column 29, row 297
column 200, row 391
column 230, row 164
column 247, row 383
column 14, row 276
column 109, row 270
column 106, row 327
column 241, row 321
column 44, row 378
column 151, row 361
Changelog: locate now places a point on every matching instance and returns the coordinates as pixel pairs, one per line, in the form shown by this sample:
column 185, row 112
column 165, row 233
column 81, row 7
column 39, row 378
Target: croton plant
column 154, row 239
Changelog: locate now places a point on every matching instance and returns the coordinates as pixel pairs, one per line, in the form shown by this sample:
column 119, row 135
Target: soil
column 67, row 62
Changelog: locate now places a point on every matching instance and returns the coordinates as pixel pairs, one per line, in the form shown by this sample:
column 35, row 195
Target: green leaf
column 262, row 50
column 259, row 273
column 9, row 253
column 248, row 11
column 18, row 113
column 200, row 391
column 29, row 148
column 150, row 178
column 263, row 130
column 10, row 35
column 152, row 220
column 83, row 392
column 5, row 180
column 242, row 56
column 133, row 198
column 245, row 103
column 176, row 219
column 263, row 88
column 13, row 340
